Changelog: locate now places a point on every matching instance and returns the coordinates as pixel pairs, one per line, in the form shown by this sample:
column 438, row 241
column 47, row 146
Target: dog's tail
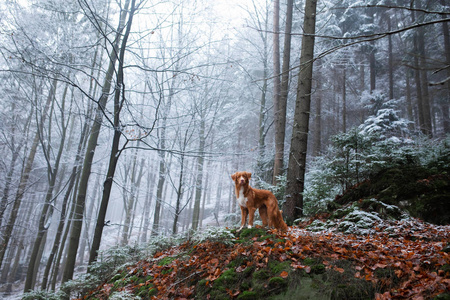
column 277, row 220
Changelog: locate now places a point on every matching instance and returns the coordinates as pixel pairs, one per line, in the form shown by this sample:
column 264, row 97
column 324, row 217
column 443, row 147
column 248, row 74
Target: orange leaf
column 284, row 274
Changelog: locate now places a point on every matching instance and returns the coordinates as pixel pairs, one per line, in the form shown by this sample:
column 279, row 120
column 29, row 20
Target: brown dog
column 250, row 199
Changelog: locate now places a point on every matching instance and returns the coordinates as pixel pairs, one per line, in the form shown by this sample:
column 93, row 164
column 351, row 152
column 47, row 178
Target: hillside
column 371, row 243
column 401, row 260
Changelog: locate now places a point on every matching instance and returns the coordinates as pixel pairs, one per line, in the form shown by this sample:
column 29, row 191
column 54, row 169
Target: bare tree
column 77, row 221
column 119, row 100
column 280, row 106
column 293, row 207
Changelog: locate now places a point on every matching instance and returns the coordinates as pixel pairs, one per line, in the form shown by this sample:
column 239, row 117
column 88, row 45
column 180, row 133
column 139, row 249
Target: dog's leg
column 244, row 213
column 251, row 212
column 263, row 215
column 271, row 211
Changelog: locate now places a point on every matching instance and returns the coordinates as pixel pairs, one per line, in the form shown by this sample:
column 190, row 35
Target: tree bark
column 426, row 107
column 148, row 201
column 276, row 86
column 293, row 207
column 62, row 216
column 135, row 183
column 24, row 178
column 119, row 99
column 372, row 59
column 77, row 221
column 47, row 209
column 317, row 140
column 420, row 76
column 199, row 178
column 390, row 60
column 280, row 107
column 15, row 154
column 446, row 102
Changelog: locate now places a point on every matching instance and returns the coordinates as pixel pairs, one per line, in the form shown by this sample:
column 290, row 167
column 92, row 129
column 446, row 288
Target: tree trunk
column 15, row 154
column 390, row 60
column 135, row 183
column 409, row 106
column 119, row 98
column 344, row 99
column 148, row 202
column 24, row 178
column 426, row 107
column 446, row 102
column 372, row 59
column 47, row 208
column 62, row 216
column 318, row 118
column 420, row 76
column 77, row 221
column 299, row 141
column 280, row 107
column 162, row 164
column 262, row 124
column 276, row 84
column 199, row 179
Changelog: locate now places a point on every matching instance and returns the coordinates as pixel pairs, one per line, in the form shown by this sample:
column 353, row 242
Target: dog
column 251, row 199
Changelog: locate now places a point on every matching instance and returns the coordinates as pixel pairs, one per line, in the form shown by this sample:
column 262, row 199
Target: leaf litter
column 405, row 259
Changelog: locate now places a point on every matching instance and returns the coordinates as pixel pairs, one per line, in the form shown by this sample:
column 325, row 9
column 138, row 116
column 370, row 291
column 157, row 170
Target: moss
column 309, row 261
column 342, row 212
column 249, row 271
column 318, row 269
column 202, row 282
column 306, row 289
column 218, row 295
column 252, row 232
column 423, row 192
column 248, row 295
column 118, row 277
column 277, row 282
column 166, row 261
column 238, row 261
column 227, row 278
column 445, row 296
column 165, row 272
column 277, row 267
column 262, row 274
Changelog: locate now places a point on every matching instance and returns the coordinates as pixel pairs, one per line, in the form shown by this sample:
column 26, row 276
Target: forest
column 122, row 122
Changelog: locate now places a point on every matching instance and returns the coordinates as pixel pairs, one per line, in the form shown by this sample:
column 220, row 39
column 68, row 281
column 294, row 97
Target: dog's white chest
column 241, row 199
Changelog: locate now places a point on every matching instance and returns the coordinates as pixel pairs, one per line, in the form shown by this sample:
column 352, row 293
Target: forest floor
column 405, row 259
column 363, row 246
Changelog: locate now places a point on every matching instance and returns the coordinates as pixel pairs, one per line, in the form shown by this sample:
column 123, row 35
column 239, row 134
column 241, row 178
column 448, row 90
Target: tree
column 47, row 208
column 119, row 99
column 293, row 208
column 77, row 222
column 280, row 106
column 6, row 234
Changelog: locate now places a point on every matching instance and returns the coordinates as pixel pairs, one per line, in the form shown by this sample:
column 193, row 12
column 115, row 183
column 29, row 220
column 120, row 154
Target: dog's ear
column 233, row 176
column 249, row 175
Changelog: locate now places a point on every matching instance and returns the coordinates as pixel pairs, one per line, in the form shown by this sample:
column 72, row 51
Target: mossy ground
column 423, row 192
column 278, row 280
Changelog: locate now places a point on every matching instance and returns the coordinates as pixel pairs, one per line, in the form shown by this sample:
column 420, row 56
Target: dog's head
column 241, row 178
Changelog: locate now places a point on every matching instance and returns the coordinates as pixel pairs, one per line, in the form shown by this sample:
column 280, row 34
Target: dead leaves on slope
column 403, row 261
